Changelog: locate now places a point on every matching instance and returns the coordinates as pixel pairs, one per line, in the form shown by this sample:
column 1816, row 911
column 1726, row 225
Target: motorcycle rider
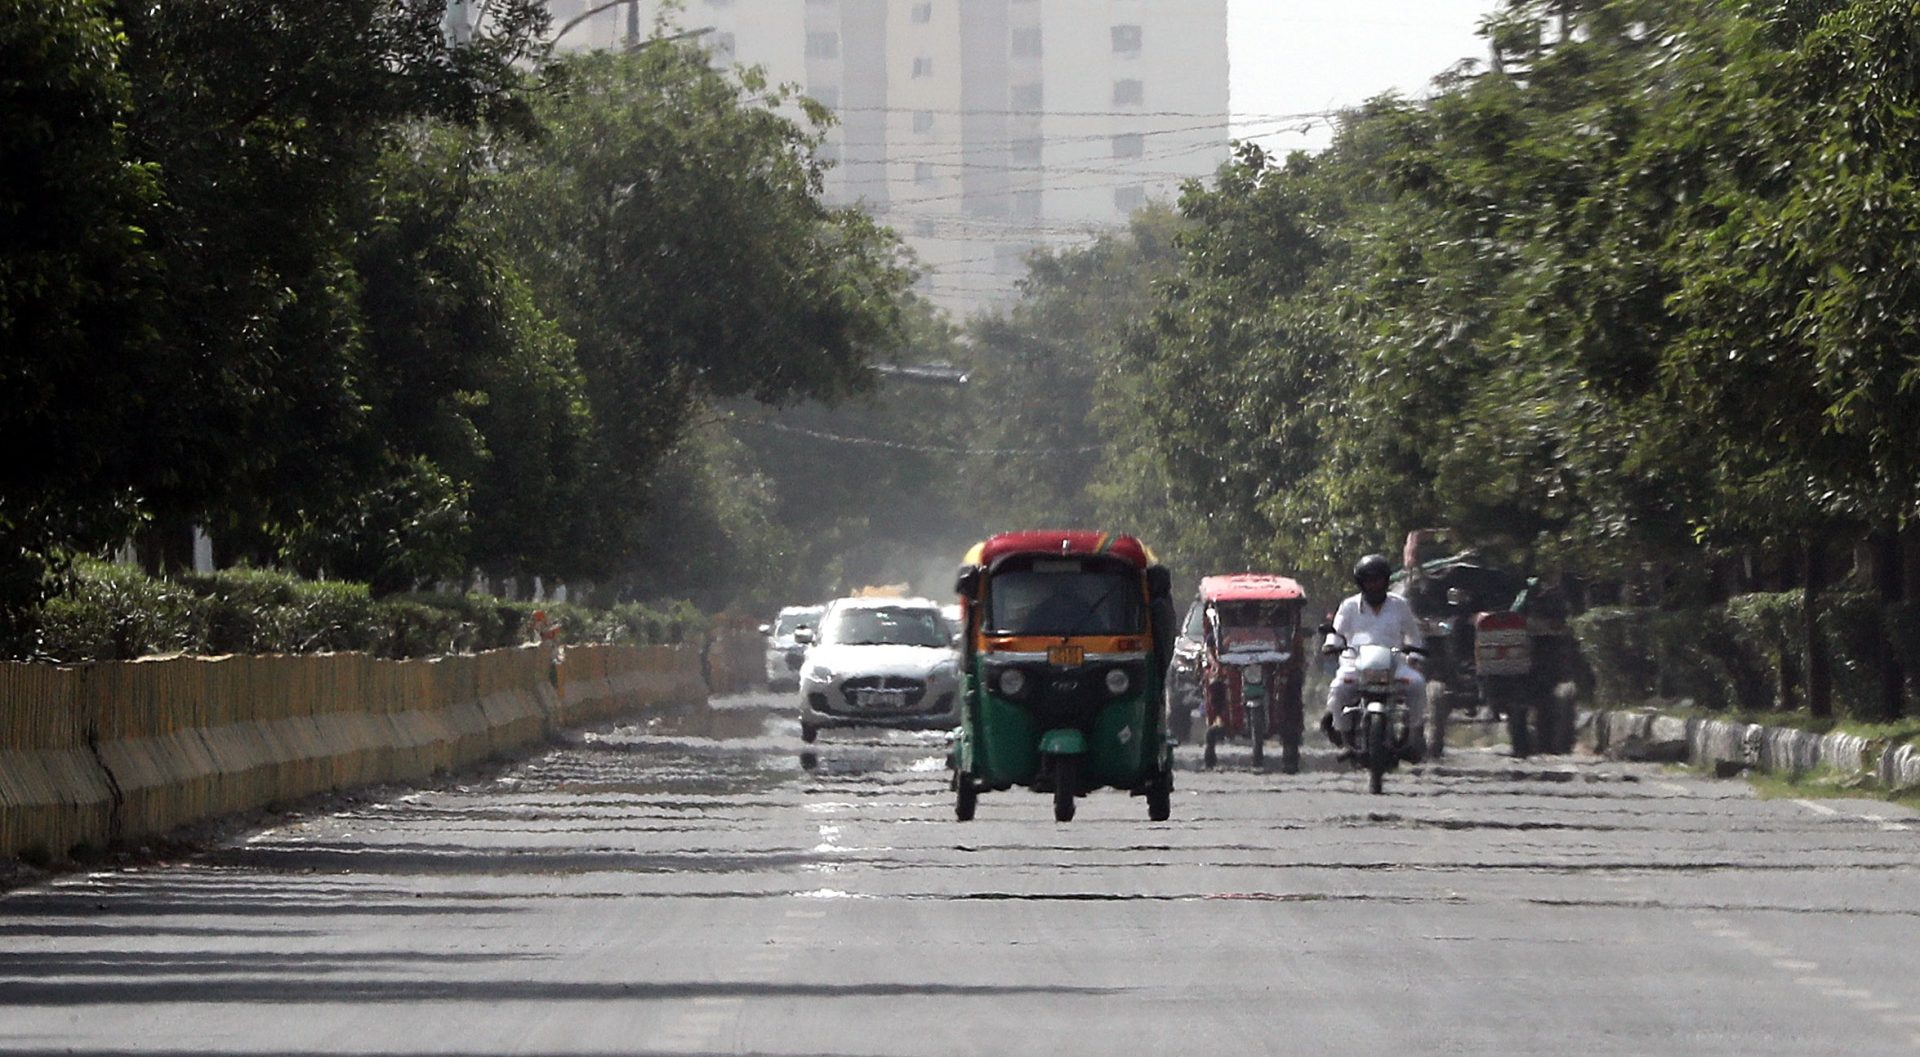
column 1375, row 617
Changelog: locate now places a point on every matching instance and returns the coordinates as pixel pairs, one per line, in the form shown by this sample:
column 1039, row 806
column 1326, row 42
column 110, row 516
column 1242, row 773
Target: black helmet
column 1373, row 565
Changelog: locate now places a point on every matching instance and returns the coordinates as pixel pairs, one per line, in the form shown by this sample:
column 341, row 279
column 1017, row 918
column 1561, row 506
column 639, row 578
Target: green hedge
column 115, row 612
column 1731, row 657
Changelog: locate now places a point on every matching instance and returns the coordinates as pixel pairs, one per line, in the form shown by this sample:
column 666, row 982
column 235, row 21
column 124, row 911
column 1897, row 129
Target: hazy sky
column 1294, row 56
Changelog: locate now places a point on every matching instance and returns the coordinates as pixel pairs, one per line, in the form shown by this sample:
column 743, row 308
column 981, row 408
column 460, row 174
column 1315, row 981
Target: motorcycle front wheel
column 1377, row 751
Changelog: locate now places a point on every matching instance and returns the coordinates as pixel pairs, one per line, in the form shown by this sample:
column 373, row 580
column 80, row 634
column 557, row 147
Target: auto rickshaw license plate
column 1066, row 656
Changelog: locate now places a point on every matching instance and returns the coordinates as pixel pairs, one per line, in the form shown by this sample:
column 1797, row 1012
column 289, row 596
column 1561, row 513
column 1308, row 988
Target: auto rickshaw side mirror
column 766, row 629
column 1326, row 629
column 968, row 582
column 1159, row 582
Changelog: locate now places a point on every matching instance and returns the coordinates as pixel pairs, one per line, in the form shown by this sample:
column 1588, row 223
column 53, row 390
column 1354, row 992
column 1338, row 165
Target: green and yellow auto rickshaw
column 1067, row 638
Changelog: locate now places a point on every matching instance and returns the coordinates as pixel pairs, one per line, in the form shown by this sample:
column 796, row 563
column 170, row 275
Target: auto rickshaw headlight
column 1012, row 681
column 1118, row 681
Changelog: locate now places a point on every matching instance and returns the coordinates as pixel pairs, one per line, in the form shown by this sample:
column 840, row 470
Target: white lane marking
column 1818, row 981
column 1793, row 966
column 1730, row 934
column 806, row 913
column 716, row 1000
column 1851, row 994
column 1875, row 1005
column 1885, row 823
column 1820, row 809
column 1900, row 1018
column 1675, row 787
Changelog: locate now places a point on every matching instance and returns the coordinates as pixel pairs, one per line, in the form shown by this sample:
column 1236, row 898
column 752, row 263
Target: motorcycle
column 1380, row 714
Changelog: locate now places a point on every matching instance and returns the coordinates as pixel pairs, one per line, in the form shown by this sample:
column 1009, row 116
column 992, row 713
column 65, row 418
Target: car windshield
column 885, row 626
column 788, row 622
column 1067, row 600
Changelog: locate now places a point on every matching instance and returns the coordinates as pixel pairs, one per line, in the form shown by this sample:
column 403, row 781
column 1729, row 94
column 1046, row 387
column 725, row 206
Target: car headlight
column 944, row 670
column 1118, row 682
column 820, row 673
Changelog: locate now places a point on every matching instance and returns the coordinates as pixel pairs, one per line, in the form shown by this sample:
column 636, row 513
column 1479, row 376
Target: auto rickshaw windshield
column 1276, row 616
column 1065, row 597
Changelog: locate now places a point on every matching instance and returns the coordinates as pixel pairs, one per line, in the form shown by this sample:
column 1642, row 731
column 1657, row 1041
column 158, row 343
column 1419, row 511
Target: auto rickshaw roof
column 1251, row 587
column 1072, row 542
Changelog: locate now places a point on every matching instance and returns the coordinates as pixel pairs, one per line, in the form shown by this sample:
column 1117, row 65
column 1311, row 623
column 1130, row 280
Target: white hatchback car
column 783, row 651
column 880, row 662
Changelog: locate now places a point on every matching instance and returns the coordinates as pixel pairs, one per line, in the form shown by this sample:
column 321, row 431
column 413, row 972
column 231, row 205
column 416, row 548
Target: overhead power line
column 930, row 449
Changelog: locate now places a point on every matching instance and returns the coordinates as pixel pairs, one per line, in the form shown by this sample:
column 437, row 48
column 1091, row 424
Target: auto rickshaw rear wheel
column 1211, row 756
column 1257, row 728
column 966, row 796
column 809, row 733
column 1160, row 799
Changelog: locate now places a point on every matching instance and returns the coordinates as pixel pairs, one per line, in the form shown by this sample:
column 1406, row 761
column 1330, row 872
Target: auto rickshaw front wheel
column 1211, row 756
column 809, row 733
column 1066, row 782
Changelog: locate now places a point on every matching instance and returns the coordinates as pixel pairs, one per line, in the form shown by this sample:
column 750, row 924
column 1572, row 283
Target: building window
column 1026, row 150
column 923, row 66
column 823, row 45
column 922, row 173
column 923, row 13
column 1129, row 92
column 1010, row 260
column 827, row 95
column 1026, row 204
column 925, row 229
column 1126, row 39
column 1129, row 145
column 827, row 153
column 723, row 46
column 1026, row 42
column 1028, row 97
column 1128, row 199
column 923, row 121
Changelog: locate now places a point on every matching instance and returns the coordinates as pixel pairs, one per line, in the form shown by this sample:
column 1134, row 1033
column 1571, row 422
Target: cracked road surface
column 683, row 884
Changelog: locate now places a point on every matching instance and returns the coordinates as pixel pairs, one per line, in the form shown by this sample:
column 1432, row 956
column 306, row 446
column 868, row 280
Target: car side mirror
column 803, row 636
column 766, row 629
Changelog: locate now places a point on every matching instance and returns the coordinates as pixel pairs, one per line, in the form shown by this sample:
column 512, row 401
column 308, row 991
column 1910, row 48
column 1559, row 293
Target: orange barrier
column 96, row 752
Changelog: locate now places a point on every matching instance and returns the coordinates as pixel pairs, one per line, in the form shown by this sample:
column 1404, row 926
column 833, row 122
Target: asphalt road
column 684, row 885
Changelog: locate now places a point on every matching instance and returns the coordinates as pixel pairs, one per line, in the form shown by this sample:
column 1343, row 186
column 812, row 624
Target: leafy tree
column 266, row 120
column 74, row 318
column 1035, row 380
column 671, row 220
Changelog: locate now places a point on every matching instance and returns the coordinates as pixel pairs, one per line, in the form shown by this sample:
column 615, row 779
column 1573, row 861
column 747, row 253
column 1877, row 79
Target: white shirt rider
column 1392, row 624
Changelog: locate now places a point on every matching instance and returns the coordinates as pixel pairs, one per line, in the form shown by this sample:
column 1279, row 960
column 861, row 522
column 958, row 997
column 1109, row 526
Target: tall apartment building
column 981, row 130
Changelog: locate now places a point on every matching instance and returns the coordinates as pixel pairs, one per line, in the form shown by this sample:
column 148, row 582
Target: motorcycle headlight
column 1118, row 682
column 1012, row 682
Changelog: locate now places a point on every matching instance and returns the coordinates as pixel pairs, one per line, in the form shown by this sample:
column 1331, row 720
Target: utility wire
column 932, row 449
